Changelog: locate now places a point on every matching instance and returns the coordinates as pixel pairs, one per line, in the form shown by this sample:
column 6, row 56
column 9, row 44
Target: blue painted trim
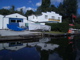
column 52, row 21
column 15, row 19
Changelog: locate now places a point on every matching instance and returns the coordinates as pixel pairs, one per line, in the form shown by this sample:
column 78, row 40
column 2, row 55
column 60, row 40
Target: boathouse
column 50, row 17
column 12, row 18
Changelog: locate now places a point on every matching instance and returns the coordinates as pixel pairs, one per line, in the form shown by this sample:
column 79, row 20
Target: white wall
column 25, row 20
column 6, row 21
column 32, row 18
column 1, row 20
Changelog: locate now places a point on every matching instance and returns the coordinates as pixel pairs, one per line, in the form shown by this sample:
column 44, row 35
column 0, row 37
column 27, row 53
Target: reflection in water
column 77, row 43
column 44, row 49
column 12, row 46
column 54, row 56
column 22, row 54
column 23, row 51
column 47, row 46
column 72, row 50
column 44, row 46
column 70, row 53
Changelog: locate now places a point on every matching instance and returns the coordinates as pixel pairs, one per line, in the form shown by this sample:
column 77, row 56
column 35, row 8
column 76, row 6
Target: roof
column 15, row 15
column 1, row 16
column 46, row 13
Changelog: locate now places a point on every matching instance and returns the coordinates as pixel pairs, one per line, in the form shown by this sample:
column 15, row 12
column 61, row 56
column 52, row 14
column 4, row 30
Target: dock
column 57, row 35
column 7, row 35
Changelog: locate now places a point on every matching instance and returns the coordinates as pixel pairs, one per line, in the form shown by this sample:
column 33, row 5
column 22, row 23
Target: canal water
column 57, row 48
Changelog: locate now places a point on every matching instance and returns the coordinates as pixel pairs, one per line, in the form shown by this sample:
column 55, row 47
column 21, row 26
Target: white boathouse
column 12, row 18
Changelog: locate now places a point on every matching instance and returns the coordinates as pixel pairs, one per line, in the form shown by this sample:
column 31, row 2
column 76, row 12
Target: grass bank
column 55, row 32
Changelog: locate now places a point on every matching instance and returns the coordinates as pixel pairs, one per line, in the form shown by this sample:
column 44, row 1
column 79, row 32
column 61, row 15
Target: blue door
column 15, row 20
column 14, row 24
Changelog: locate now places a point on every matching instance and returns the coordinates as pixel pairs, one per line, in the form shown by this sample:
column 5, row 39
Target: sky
column 28, row 4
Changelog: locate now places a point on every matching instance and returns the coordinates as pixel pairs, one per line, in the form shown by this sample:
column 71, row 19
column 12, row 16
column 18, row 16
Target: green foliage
column 70, row 6
column 77, row 20
column 12, row 9
column 38, row 10
column 67, row 8
column 4, row 12
column 29, row 12
column 77, row 26
column 60, row 9
column 21, row 11
column 61, row 27
column 52, row 8
column 45, row 4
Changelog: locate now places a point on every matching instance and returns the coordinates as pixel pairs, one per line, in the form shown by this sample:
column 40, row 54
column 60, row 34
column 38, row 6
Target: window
column 19, row 21
column 53, row 17
column 13, row 21
column 58, row 18
column 46, row 16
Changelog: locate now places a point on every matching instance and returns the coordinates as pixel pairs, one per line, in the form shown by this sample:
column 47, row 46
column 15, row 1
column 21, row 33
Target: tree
column 21, row 11
column 29, row 12
column 67, row 8
column 61, row 9
column 4, row 11
column 12, row 9
column 70, row 7
column 45, row 4
column 38, row 10
column 52, row 8
column 78, row 19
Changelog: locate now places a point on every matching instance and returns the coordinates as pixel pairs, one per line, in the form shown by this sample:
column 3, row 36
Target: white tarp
column 34, row 26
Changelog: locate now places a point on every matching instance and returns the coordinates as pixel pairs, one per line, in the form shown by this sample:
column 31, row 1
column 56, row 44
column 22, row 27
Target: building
column 50, row 17
column 19, row 22
column 12, row 18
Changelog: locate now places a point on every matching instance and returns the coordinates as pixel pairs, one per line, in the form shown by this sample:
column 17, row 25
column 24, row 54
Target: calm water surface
column 60, row 48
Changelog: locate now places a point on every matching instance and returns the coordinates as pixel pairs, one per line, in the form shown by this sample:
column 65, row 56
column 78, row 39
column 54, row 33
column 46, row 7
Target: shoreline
column 29, row 35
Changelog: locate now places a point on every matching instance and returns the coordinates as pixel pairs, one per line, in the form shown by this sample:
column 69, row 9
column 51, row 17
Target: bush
column 77, row 26
column 61, row 27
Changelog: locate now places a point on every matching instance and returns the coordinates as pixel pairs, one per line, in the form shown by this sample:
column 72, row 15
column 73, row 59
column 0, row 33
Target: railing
column 53, row 19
